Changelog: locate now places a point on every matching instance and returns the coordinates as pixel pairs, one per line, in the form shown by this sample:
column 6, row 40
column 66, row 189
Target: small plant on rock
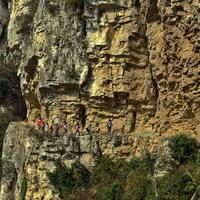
column 183, row 147
column 75, row 3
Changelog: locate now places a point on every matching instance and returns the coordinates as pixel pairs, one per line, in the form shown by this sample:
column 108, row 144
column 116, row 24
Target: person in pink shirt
column 77, row 128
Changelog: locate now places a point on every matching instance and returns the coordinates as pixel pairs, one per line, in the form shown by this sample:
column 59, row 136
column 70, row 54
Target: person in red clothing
column 77, row 128
column 40, row 124
column 123, row 129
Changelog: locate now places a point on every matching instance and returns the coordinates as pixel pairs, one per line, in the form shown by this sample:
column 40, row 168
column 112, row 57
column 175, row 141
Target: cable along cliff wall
column 136, row 62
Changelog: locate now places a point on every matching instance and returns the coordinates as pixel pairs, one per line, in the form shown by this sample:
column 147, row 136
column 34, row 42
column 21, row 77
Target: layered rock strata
column 136, row 62
column 28, row 157
column 133, row 61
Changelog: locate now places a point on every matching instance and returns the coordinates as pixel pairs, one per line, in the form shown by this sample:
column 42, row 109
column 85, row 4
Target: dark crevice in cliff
column 84, row 28
column 152, row 13
column 11, row 100
column 137, row 4
column 5, row 4
column 31, row 66
column 82, row 115
column 3, row 33
column 133, row 121
column 155, row 96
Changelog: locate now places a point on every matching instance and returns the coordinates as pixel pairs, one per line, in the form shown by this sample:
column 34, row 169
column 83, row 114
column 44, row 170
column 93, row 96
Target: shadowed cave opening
column 5, row 3
column 137, row 3
column 31, row 66
column 153, row 12
column 84, row 28
column 82, row 115
column 155, row 95
column 133, row 121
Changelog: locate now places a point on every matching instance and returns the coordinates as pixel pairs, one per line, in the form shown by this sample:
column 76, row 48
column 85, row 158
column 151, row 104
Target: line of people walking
column 56, row 128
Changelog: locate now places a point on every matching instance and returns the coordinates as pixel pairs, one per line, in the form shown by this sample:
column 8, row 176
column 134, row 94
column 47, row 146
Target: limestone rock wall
column 134, row 61
column 28, row 156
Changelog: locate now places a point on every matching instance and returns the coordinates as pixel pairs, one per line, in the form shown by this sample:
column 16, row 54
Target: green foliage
column 38, row 136
column 112, row 192
column 23, row 189
column 4, row 121
column 136, row 187
column 80, row 174
column 75, row 3
column 5, row 86
column 183, row 147
column 65, row 179
column 72, row 74
column 175, row 185
column 122, row 179
column 134, row 179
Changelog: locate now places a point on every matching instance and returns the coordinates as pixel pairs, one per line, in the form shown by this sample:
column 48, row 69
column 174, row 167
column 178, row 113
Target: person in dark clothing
column 97, row 128
column 87, row 130
column 109, row 125
column 51, row 127
column 65, row 126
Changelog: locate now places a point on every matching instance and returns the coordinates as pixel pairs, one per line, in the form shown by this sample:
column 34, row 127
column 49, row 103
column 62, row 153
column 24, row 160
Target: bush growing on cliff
column 23, row 189
column 75, row 3
column 65, row 179
column 134, row 179
column 5, row 86
column 122, row 179
column 183, row 147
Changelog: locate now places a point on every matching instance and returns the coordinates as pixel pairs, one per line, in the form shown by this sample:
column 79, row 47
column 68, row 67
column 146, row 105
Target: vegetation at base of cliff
column 135, row 179
column 4, row 121
column 75, row 3
column 183, row 147
column 23, row 189
column 5, row 87
column 66, row 180
column 38, row 136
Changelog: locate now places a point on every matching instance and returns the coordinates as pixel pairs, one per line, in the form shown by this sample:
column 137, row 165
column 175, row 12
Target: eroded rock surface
column 136, row 62
column 28, row 156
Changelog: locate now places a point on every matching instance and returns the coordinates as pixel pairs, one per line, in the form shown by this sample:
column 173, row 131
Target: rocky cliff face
column 136, row 62
column 12, row 106
column 133, row 61
column 29, row 156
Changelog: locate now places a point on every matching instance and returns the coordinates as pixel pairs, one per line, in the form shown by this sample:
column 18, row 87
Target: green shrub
column 65, row 179
column 123, row 179
column 112, row 192
column 38, row 136
column 81, row 175
column 108, row 178
column 175, row 185
column 5, row 86
column 134, row 179
column 136, row 187
column 23, row 189
column 183, row 147
column 4, row 121
column 75, row 3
